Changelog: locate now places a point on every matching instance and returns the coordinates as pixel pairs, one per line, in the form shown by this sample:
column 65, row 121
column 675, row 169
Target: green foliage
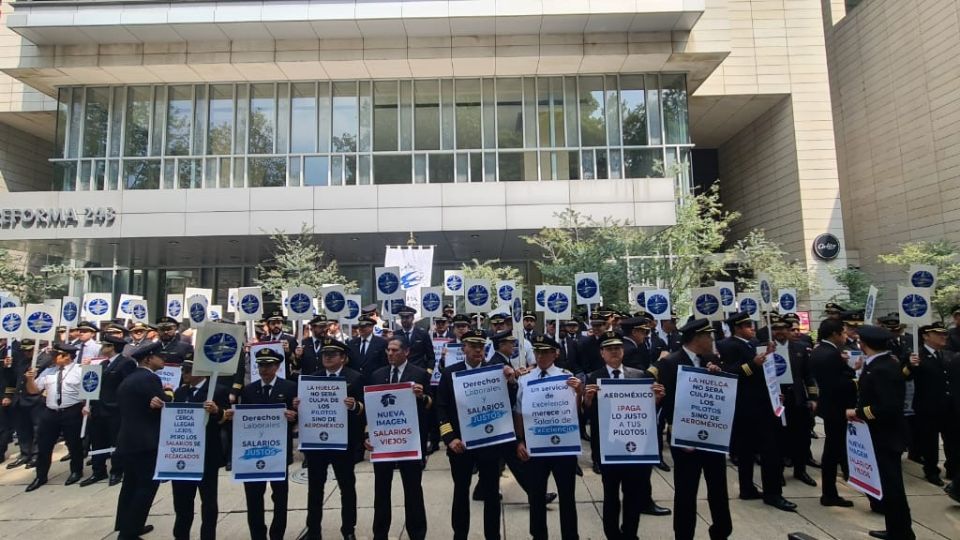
column 298, row 261
column 945, row 256
column 756, row 253
column 31, row 287
column 856, row 283
column 491, row 271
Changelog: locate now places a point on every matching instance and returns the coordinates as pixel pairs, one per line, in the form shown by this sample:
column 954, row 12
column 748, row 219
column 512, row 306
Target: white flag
column 415, row 266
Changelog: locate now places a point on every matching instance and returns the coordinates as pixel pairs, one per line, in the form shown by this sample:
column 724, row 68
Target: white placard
column 638, row 296
column 334, row 300
column 70, row 311
column 923, row 276
column 773, row 385
column 91, row 379
column 215, row 313
column 322, row 415
column 170, row 375
column 197, row 310
column 9, row 301
column 627, row 412
column 728, row 295
column 587, row 287
column 260, row 442
column 174, row 307
column 431, row 302
column 249, row 304
column 206, row 293
column 540, row 297
column 96, row 307
column 275, row 346
column 415, row 265
column 658, row 304
column 439, row 353
column 766, row 289
column 477, row 296
column 453, row 282
column 703, row 410
column 218, row 347
column 914, row 305
column 139, row 311
column 11, row 322
column 183, row 440
column 39, row 322
column 862, row 461
column 300, row 303
column 787, row 301
column 550, row 422
column 388, row 283
column 351, row 314
column 455, row 354
column 750, row 304
column 483, row 406
column 706, row 303
column 123, row 306
column 56, row 307
column 781, row 359
column 558, row 303
column 506, row 290
column 393, row 422
column 233, row 296
column 871, row 305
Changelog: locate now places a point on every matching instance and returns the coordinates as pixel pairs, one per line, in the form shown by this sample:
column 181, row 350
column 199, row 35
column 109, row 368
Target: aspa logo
column 454, row 282
column 174, row 308
column 125, row 306
column 69, row 312
column 198, row 312
column 478, row 295
column 642, row 298
column 703, row 435
column 922, row 279
column 505, row 293
column 249, row 303
column 431, row 302
column 914, row 305
column 631, row 447
column 220, row 347
column 726, row 296
column 707, row 304
column 541, row 298
column 353, row 309
column 388, row 283
column 139, row 311
column 749, row 305
column 97, row 306
column 657, row 304
column 765, row 291
column 558, row 302
column 334, row 301
column 40, row 322
column 787, row 301
column 587, row 288
column 300, row 303
column 90, row 381
column 11, row 322
column 781, row 364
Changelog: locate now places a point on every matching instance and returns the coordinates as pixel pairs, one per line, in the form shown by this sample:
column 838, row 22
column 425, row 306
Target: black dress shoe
column 836, row 501
column 228, row 467
column 350, row 536
column 781, row 504
column 596, row 468
column 31, row 464
column 934, row 479
column 19, row 462
column 65, row 458
column 580, row 471
column 954, row 494
column 915, row 459
column 879, row 534
column 147, row 529
column 115, row 479
column 813, row 463
column 656, row 510
column 93, row 479
column 551, row 496
column 73, row 479
column 37, row 482
column 663, row 466
column 805, row 478
column 750, row 495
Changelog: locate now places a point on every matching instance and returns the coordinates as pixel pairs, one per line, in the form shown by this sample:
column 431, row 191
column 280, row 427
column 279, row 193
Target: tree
column 491, row 271
column 32, row 287
column 943, row 254
column 756, row 253
column 857, row 284
column 297, row 260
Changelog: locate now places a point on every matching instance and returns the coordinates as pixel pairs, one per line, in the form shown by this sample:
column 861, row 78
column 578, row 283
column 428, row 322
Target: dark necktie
column 331, row 374
column 266, row 391
column 616, row 374
column 543, row 373
column 363, row 348
column 59, row 387
column 395, row 376
column 194, row 390
column 79, row 353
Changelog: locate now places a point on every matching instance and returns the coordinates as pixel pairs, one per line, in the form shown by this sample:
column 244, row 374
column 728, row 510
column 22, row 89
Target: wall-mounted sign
column 25, row 218
column 826, row 247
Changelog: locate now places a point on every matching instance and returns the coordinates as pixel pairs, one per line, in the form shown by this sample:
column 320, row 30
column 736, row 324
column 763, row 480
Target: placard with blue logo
column 483, row 407
column 703, row 410
column 550, row 422
column 322, row 415
column 627, row 411
column 392, row 422
column 182, row 442
column 259, row 442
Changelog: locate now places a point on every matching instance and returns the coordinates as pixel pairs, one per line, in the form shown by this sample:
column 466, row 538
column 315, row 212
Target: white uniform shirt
column 534, row 375
column 70, row 386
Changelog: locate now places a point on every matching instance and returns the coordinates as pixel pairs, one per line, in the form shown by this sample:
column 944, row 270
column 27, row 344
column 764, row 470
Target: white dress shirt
column 69, row 386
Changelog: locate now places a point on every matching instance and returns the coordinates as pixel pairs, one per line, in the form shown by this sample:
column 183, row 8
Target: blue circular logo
column 139, row 311
column 300, row 303
column 726, row 296
column 125, row 306
column 707, row 304
column 97, row 306
column 90, row 381
column 657, row 304
column 781, row 363
column 642, row 299
column 749, row 305
column 557, row 302
column 174, row 308
column 11, row 322
column 871, row 302
column 914, row 305
column 454, row 282
column 765, row 291
column 478, row 295
column 9, row 303
column 69, row 311
column 517, row 311
column 220, row 347
column 393, row 306
column 214, row 315
column 922, row 279
column 249, row 304
column 431, row 301
column 787, row 302
column 541, row 298
column 40, row 322
column 197, row 312
column 587, row 288
column 388, row 283
column 353, row 309
column 334, row 301
column 505, row 293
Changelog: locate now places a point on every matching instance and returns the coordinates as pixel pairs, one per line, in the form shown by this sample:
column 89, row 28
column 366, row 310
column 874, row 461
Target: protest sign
column 174, row 306
column 40, row 322
column 96, row 307
column 706, row 303
column 923, row 276
column 197, row 310
column 749, row 303
column 773, row 384
column 506, row 290
column 249, row 304
column 628, row 421
column 477, row 296
column 703, row 410
column 91, row 379
column 70, row 311
column 170, row 375
column 658, row 304
column 638, row 296
column 431, row 302
column 871, row 305
column 453, row 283
column 322, row 415
column 587, row 288
column 351, row 313
column 862, row 460
column 393, row 422
column 123, row 306
column 483, row 406
column 439, row 352
column 11, row 322
column 182, row 442
column 728, row 295
column 787, row 300
column 388, row 283
column 259, row 442
column 550, row 422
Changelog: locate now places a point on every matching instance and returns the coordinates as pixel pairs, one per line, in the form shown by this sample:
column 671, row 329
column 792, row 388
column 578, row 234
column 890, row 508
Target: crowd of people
column 910, row 399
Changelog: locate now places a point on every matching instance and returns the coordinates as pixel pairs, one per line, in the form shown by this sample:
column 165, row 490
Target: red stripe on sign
column 385, row 387
column 867, row 487
column 386, row 455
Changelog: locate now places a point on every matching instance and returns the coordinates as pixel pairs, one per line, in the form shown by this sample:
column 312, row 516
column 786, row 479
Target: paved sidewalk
column 57, row 511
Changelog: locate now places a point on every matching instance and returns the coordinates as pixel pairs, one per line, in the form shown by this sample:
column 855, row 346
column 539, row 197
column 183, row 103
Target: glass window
column 653, row 110
column 293, row 171
column 366, row 113
column 116, row 120
column 530, row 112
column 406, row 115
column 509, row 114
column 200, row 120
column 169, row 173
column 642, row 163
column 489, row 114
column 220, row 132
column 613, row 111
column 674, row 96
column 349, row 170
column 323, row 116
column 346, row 117
column 315, row 171
column 426, row 114
column 262, row 119
column 189, row 175
column 391, row 170
column 65, row 176
column 238, row 172
column 633, row 106
column 364, row 179
column 550, row 112
column 243, row 113
column 385, row 120
column 303, row 136
column 63, row 107
column 283, row 118
column 468, row 113
column 570, row 105
column 441, row 168
column 141, row 173
column 336, row 170
column 420, row 169
column 489, row 167
column 600, row 157
column 267, row 172
column 476, row 167
column 179, row 120
column 137, row 124
column 592, row 116
column 84, row 181
column 560, row 165
column 446, row 114
column 463, row 167
column 76, row 116
column 113, row 175
column 159, row 114
column 95, row 122
column 516, row 166
column 224, row 172
column 210, row 173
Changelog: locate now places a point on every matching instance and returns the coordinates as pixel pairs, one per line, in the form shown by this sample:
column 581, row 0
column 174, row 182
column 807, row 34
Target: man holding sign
column 103, row 425
column 476, row 392
column 621, row 473
column 880, row 405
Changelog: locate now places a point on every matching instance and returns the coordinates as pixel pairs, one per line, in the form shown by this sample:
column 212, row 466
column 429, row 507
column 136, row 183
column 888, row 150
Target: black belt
column 66, row 409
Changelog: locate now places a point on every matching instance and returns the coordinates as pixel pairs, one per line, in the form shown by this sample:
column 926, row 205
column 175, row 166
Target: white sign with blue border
column 627, row 412
column 703, row 410
column 183, row 440
column 549, row 409
column 260, row 442
column 483, row 407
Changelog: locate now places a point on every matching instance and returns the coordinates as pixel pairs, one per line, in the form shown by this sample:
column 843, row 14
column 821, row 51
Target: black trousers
column 517, row 467
column 896, row 510
column 627, row 479
column 54, row 423
column 687, row 468
column 795, row 442
column 136, row 493
column 564, row 470
column 254, row 492
column 103, row 432
column 834, row 453
column 343, row 469
column 26, row 419
column 184, row 495
column 758, row 436
column 930, row 428
column 7, row 427
column 411, row 472
column 487, row 463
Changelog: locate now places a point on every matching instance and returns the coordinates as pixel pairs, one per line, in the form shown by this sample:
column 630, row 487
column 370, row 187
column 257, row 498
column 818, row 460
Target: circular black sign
column 826, row 247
